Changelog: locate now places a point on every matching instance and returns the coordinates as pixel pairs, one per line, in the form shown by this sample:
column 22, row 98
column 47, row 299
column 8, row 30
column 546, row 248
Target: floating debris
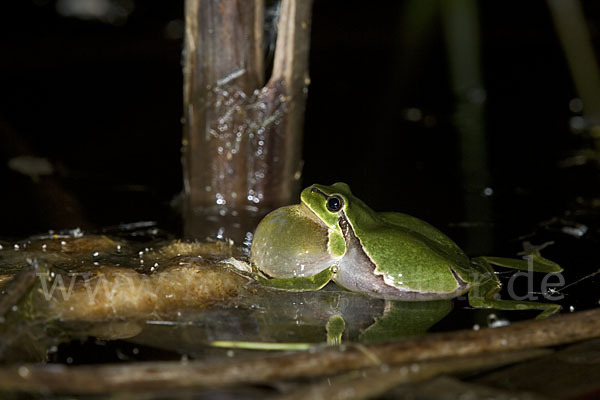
column 33, row 167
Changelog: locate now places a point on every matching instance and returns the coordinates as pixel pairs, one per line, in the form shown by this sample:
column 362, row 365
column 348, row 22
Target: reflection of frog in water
column 298, row 320
column 332, row 235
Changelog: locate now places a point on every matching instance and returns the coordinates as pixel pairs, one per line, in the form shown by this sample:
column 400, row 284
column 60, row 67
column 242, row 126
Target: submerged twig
column 553, row 331
column 355, row 385
column 17, row 287
column 449, row 388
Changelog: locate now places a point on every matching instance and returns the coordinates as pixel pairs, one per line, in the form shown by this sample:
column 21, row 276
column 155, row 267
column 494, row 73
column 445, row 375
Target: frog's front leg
column 299, row 284
column 483, row 293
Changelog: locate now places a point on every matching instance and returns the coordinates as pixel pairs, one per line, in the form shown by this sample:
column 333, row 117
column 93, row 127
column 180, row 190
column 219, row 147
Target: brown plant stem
column 241, row 145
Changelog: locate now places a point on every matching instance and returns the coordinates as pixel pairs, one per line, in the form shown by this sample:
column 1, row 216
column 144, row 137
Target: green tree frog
column 332, row 235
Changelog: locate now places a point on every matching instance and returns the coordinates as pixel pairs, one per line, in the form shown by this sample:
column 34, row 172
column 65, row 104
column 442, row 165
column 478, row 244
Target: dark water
column 102, row 102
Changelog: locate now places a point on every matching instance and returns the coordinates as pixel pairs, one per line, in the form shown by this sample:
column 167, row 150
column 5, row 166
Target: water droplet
column 23, row 372
column 494, row 322
column 576, row 105
column 477, row 95
column 578, row 231
column 76, row 233
column 413, row 114
column 577, row 123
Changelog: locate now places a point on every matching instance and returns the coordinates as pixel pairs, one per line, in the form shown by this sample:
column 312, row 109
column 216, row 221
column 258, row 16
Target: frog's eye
column 335, row 203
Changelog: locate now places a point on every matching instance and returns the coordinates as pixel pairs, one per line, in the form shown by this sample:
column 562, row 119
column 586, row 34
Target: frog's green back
column 428, row 232
column 408, row 262
column 408, row 251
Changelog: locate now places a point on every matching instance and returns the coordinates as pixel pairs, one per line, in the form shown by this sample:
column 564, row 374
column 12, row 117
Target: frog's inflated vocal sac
column 333, row 235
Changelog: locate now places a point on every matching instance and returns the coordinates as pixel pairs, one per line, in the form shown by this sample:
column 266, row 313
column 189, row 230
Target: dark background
column 102, row 101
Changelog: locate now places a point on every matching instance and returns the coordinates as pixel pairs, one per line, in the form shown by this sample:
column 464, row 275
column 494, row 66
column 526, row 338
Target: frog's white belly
column 356, row 272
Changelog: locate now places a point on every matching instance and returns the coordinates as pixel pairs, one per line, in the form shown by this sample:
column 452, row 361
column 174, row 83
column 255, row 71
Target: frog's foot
column 335, row 328
column 484, row 294
column 299, row 284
